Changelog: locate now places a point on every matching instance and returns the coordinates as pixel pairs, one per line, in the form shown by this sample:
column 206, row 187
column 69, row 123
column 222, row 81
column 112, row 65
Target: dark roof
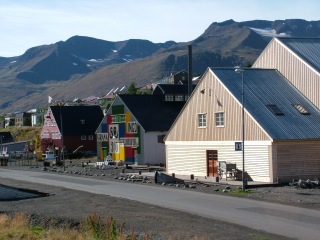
column 6, row 137
column 151, row 112
column 264, row 88
column 172, row 88
column 19, row 115
column 72, row 116
column 306, row 48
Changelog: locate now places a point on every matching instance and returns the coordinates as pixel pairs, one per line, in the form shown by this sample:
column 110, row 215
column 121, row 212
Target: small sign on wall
column 132, row 127
column 238, row 146
column 114, row 147
column 102, row 137
column 114, row 132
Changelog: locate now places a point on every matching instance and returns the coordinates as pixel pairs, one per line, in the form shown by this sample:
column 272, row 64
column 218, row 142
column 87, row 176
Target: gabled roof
column 6, row 137
column 263, row 87
column 72, row 116
column 306, row 48
column 172, row 88
column 151, row 112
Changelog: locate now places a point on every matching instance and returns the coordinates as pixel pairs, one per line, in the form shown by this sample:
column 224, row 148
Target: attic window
column 300, row 108
column 275, row 110
column 83, row 121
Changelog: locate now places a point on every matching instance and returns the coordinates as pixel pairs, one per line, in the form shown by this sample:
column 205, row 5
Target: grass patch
column 239, row 192
column 93, row 227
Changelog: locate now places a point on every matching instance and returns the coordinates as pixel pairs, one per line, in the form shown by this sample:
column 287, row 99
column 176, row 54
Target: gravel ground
column 71, row 207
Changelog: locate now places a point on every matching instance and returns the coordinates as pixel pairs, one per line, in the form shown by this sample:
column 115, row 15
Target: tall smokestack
column 190, row 70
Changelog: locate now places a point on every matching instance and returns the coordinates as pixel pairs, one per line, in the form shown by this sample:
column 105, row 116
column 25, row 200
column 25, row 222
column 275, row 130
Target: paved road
column 274, row 218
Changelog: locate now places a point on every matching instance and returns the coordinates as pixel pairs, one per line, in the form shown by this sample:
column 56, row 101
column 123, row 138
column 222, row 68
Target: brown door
column 212, row 161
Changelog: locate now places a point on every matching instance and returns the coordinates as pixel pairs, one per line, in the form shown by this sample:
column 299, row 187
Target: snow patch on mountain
column 269, row 32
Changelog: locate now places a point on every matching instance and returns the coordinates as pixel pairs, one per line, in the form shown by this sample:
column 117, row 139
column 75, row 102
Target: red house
column 74, row 125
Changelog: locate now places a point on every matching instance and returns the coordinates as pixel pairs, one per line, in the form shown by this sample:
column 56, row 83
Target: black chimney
column 190, row 70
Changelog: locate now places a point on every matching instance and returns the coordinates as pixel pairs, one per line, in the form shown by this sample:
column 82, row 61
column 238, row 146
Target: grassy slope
column 31, row 134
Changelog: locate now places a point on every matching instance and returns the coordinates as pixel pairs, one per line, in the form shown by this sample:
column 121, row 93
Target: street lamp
column 1, row 146
column 62, row 143
column 240, row 70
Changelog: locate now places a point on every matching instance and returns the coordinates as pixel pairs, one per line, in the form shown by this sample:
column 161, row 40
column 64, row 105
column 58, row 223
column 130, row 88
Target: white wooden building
column 282, row 128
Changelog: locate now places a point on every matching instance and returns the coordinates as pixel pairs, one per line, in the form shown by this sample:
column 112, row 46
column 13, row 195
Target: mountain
column 84, row 66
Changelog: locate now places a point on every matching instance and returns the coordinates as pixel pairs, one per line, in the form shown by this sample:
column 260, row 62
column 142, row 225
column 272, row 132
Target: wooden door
column 212, row 163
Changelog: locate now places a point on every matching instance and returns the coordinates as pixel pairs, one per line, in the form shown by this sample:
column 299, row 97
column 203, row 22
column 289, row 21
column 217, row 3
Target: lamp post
column 240, row 70
column 1, row 146
column 62, row 143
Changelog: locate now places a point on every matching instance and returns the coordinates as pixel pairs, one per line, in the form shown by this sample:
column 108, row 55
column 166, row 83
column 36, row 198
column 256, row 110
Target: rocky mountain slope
column 84, row 66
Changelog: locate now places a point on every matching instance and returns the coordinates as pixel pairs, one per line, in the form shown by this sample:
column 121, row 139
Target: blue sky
column 29, row 23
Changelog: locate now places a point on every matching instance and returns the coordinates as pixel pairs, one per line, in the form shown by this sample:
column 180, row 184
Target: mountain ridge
column 82, row 66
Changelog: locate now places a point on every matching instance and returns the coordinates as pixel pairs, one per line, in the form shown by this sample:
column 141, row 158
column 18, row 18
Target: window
column 90, row 137
column 275, row 110
column 219, row 119
column 168, row 97
column 83, row 121
column 83, row 137
column 202, row 120
column 118, row 118
column 179, row 98
column 301, row 109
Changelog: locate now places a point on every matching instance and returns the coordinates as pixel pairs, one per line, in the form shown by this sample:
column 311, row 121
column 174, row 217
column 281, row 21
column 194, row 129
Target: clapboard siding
column 298, row 72
column 298, row 160
column 216, row 98
column 186, row 158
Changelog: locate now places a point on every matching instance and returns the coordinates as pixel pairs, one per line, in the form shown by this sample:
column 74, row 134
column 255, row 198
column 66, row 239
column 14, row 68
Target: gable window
column 179, row 98
column 83, row 137
column 219, row 119
column 168, row 97
column 301, row 109
column 202, row 120
column 275, row 110
column 83, row 121
column 90, row 137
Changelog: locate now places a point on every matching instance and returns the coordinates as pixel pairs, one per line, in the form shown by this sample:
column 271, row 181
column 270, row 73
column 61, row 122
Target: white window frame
column 202, row 120
column 83, row 137
column 91, row 137
column 179, row 97
column 219, row 119
column 169, row 97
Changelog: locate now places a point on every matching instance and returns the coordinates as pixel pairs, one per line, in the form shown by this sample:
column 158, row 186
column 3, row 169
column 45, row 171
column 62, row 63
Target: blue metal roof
column 264, row 87
column 307, row 48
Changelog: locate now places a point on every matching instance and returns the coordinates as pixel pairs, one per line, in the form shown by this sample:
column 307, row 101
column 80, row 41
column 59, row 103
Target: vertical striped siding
column 190, row 158
column 301, row 75
column 186, row 128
